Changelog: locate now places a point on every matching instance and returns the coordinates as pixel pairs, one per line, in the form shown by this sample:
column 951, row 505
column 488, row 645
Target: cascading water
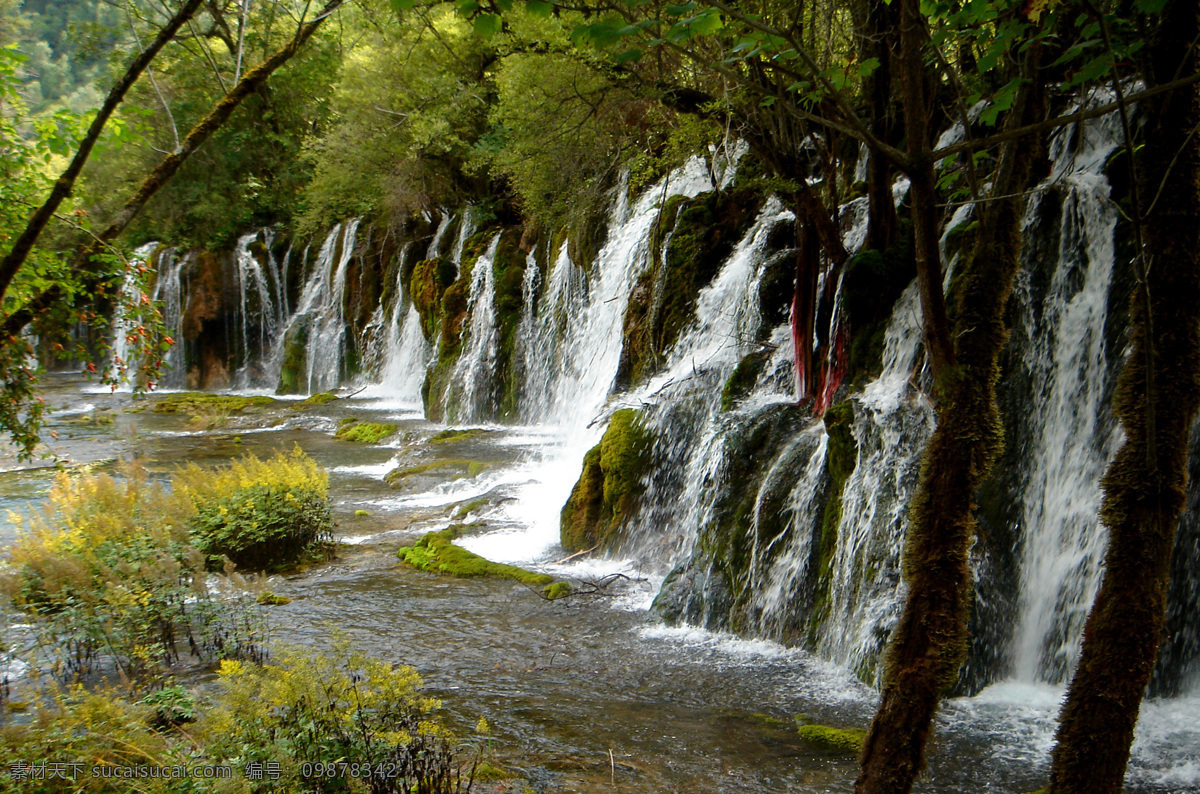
column 261, row 298
column 1068, row 365
column 399, row 352
column 541, row 332
column 171, row 292
column 318, row 326
column 469, row 393
column 122, row 357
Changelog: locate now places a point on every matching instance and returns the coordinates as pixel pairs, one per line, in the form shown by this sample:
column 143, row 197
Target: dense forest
column 855, row 149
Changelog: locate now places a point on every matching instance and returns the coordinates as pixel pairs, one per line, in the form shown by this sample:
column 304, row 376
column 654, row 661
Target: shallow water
column 565, row 683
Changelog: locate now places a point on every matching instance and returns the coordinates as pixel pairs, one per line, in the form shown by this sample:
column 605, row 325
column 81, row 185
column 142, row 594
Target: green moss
column 436, row 553
column 267, row 598
column 508, row 266
column 427, row 283
column 293, row 369
column 349, row 420
column 486, row 772
column 456, row 468
column 205, row 404
column 841, row 457
column 871, row 286
column 609, row 485
column 467, row 508
column 742, row 381
column 454, row 436
column 361, row 514
column 366, row 432
column 847, row 741
column 316, row 400
column 557, row 590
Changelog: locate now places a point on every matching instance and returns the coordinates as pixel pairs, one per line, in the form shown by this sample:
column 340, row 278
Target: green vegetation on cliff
column 610, row 484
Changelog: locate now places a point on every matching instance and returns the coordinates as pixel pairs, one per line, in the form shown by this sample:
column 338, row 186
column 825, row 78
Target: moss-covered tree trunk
column 1156, row 401
column 930, row 640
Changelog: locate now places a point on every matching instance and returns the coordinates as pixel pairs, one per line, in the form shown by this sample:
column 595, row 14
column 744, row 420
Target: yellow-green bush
column 260, row 514
column 327, row 720
column 107, row 568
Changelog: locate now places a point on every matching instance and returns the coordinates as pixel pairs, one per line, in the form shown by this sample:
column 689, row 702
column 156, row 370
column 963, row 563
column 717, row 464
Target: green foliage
column 173, row 705
column 437, row 553
column 318, row 722
column 261, row 515
column 365, row 432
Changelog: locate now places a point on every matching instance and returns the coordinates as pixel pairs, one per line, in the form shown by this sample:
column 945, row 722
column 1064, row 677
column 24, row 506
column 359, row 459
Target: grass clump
column 198, row 403
column 268, row 599
column 314, row 401
column 847, row 741
column 466, row 508
column 261, row 515
column 365, row 432
column 436, row 552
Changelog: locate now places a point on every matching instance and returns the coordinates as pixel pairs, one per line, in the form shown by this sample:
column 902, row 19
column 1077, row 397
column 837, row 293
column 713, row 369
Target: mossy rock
column 842, row 741
column 267, row 598
column 742, row 381
column 437, row 553
column 872, row 284
column 365, row 432
column 205, row 404
column 609, row 485
column 700, row 234
column 294, row 367
column 454, row 436
column 841, row 457
column 452, row 469
column 427, row 283
column 557, row 590
column 464, row 509
column 315, row 401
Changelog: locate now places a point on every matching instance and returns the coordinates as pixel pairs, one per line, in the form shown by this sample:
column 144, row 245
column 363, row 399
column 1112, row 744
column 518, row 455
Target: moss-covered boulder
column 840, row 741
column 365, row 432
column 609, row 485
column 871, row 285
column 315, row 401
column 744, row 377
column 195, row 403
column 293, row 370
column 436, row 552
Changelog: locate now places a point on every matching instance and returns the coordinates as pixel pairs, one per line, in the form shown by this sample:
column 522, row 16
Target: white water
column 123, row 359
column 1067, row 361
column 469, row 392
column 170, row 290
column 321, row 309
column 401, row 351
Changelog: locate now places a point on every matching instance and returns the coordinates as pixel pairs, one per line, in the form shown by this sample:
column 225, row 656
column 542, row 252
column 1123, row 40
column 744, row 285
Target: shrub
column 326, row 721
column 261, row 515
column 106, row 568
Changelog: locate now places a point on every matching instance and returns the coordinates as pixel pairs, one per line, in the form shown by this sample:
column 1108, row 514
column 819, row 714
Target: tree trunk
column 1156, row 401
column 930, row 640
column 24, row 243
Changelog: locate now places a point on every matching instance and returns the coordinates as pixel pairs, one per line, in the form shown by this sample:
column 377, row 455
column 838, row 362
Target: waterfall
column 397, row 348
column 1067, row 363
column 261, row 303
column 541, row 333
column 470, row 390
column 170, row 291
column 318, row 326
column 123, row 357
